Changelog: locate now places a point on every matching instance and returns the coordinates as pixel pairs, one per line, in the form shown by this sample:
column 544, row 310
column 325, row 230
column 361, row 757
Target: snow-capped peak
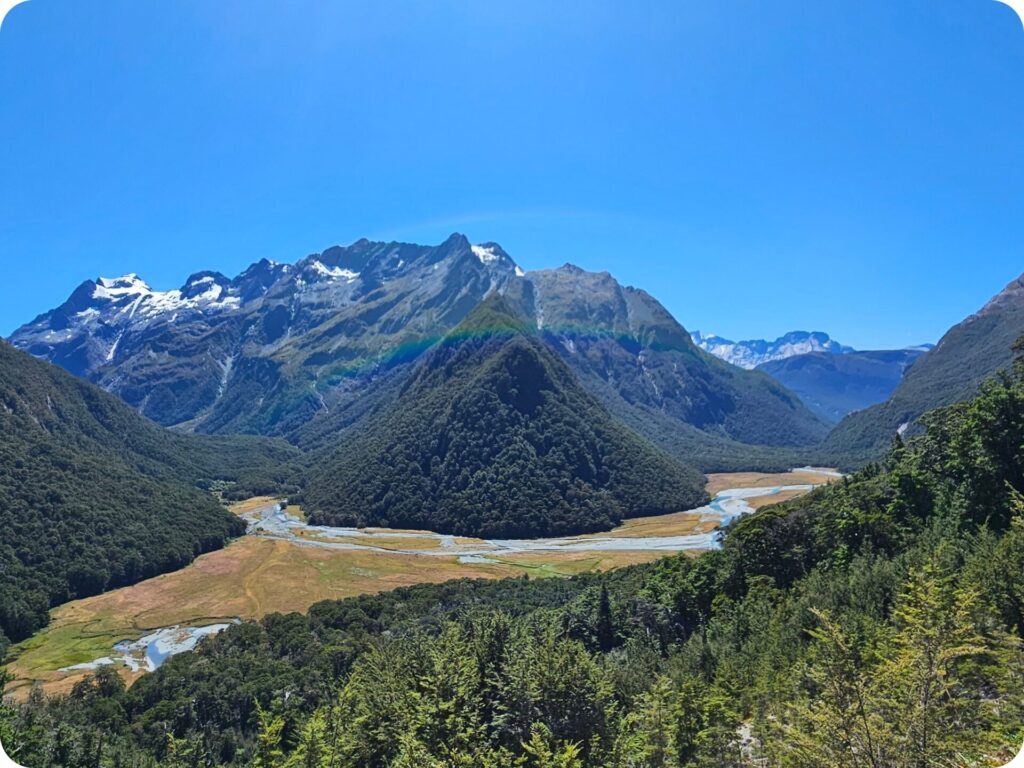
column 116, row 287
column 754, row 352
column 486, row 254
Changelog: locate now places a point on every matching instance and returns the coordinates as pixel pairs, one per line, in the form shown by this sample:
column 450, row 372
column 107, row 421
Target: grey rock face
column 266, row 348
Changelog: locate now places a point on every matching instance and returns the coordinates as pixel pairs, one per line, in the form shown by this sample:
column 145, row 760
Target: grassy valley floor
column 263, row 573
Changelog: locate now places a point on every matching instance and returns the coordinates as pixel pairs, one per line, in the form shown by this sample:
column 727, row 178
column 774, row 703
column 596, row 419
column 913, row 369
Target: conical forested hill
column 93, row 496
column 492, row 436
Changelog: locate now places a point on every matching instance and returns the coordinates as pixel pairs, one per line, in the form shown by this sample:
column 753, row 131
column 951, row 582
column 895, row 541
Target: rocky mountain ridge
column 307, row 349
column 751, row 353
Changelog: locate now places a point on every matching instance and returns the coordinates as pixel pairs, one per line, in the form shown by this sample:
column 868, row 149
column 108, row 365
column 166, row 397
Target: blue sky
column 855, row 167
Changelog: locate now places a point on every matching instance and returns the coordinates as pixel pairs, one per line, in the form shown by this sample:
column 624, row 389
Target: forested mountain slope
column 629, row 352
column 92, row 496
column 875, row 622
column 492, row 436
column 969, row 353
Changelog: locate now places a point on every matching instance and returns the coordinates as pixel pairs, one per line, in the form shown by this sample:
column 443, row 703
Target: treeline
column 92, row 496
column 876, row 622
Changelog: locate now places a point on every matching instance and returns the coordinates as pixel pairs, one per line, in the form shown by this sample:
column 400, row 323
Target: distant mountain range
column 831, row 379
column 308, row 350
column 834, row 385
column 754, row 352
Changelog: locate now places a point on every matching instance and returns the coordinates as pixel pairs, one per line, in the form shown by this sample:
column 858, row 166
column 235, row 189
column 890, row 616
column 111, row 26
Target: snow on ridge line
column 337, row 272
column 148, row 302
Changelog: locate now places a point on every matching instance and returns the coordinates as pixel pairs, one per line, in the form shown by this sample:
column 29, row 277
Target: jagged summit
column 273, row 330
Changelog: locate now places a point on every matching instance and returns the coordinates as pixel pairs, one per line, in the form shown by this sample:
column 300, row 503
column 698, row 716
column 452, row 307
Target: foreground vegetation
column 875, row 622
column 255, row 576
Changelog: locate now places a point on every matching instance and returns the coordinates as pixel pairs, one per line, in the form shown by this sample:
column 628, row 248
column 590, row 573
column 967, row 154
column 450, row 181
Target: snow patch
column 113, row 347
column 486, row 255
column 334, row 272
column 116, row 287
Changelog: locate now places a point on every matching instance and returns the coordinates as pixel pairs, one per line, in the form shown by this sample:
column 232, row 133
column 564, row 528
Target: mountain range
column 307, row 350
column 752, row 353
column 832, row 379
column 834, row 385
column 422, row 386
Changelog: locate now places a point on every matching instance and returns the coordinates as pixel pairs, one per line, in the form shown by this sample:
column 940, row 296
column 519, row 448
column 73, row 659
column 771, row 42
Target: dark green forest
column 875, row 622
column 93, row 496
column 493, row 436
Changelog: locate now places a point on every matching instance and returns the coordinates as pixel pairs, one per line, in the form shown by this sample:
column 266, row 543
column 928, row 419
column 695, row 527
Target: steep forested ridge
column 92, row 496
column 492, row 436
column 875, row 622
column 968, row 354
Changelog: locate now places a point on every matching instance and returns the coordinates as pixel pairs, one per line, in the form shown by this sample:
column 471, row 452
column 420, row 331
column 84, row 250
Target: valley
column 284, row 564
column 487, row 385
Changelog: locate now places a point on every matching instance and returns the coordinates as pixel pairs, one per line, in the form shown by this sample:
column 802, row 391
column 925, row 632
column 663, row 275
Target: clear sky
column 852, row 166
